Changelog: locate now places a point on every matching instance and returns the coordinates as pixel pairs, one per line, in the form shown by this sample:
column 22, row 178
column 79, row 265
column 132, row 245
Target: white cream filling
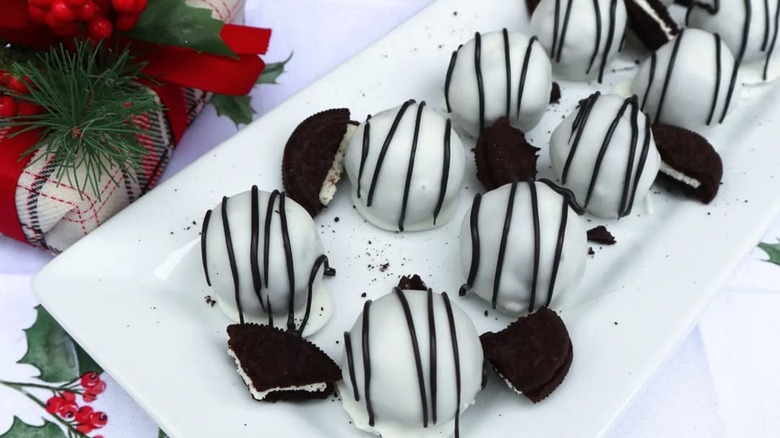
column 328, row 189
column 679, row 176
column 654, row 15
column 259, row 395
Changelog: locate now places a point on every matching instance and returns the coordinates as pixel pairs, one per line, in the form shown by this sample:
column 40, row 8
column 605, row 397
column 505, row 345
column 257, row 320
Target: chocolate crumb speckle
column 601, row 234
column 363, row 295
column 590, row 251
column 486, row 313
column 336, row 219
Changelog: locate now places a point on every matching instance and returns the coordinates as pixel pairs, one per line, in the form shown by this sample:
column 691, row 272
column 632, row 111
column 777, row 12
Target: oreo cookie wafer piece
column 313, row 158
column 278, row 365
column 651, row 22
column 689, row 161
column 504, row 155
column 532, row 355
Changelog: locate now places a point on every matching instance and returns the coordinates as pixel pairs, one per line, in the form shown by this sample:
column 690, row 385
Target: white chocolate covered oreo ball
column 748, row 27
column 412, row 364
column 523, row 247
column 581, row 37
column 605, row 154
column 690, row 82
column 406, row 167
column 498, row 74
column 263, row 256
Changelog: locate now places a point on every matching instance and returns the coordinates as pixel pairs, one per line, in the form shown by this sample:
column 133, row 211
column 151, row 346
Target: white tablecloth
column 723, row 379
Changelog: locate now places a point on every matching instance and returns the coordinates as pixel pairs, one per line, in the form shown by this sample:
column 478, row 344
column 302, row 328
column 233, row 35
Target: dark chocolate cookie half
column 532, row 355
column 504, row 155
column 413, row 282
column 555, row 93
column 312, row 157
column 278, row 365
column 689, row 161
column 651, row 22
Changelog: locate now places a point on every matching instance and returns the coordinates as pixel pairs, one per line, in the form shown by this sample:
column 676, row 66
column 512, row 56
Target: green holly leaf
column 162, row 434
column 238, row 108
column 86, row 363
column 50, row 350
column 175, row 23
column 272, row 71
column 772, row 250
column 22, row 430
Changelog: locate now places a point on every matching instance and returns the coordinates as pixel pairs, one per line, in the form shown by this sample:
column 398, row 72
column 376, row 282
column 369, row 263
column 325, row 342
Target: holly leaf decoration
column 20, row 429
column 175, row 23
column 86, row 363
column 238, row 108
column 772, row 250
column 162, row 434
column 50, row 350
column 272, row 71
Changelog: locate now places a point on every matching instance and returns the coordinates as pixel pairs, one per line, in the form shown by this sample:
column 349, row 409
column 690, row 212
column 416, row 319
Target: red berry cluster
column 84, row 418
column 98, row 18
column 11, row 107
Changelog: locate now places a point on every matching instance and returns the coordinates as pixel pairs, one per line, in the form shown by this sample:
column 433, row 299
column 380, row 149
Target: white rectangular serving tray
column 132, row 293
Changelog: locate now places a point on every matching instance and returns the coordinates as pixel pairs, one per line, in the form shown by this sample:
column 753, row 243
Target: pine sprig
column 90, row 99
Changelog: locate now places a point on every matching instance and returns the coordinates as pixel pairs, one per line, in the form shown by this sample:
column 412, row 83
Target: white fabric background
column 722, row 381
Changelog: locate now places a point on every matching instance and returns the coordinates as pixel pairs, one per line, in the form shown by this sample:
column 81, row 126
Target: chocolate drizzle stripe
column 416, row 350
column 203, row 255
column 254, row 262
column 641, row 165
column 382, row 152
column 650, row 78
column 432, row 352
column 563, row 31
column 321, row 260
column 524, row 73
column 566, row 193
column 669, row 71
column 445, row 171
column 603, row 150
column 508, row 65
column 231, row 257
column 267, row 233
column 578, row 127
column 456, row 358
column 288, row 255
column 718, row 75
column 270, row 311
column 448, row 80
column 558, row 250
column 474, row 223
column 610, row 38
column 537, row 242
column 367, row 363
column 557, row 16
column 626, row 193
column 772, row 45
column 597, row 10
column 767, row 30
column 740, row 57
column 410, row 167
column 510, row 206
column 364, row 151
column 480, row 85
column 351, row 365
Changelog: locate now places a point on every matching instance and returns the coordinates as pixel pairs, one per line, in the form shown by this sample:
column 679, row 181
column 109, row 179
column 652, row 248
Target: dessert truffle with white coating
column 582, row 37
column 263, row 257
column 690, row 82
column 523, row 246
column 406, row 166
column 748, row 27
column 498, row 74
column 605, row 154
column 412, row 364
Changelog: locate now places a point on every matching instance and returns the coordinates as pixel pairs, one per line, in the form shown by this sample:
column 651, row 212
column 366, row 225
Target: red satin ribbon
column 11, row 168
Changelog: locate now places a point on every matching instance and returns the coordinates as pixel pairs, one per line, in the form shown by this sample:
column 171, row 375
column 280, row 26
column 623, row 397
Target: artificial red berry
column 19, row 86
column 68, row 410
column 69, row 397
column 29, row 109
column 43, row 4
column 89, row 397
column 140, row 6
column 90, row 379
column 100, row 28
column 83, row 414
column 62, row 12
column 104, row 6
column 125, row 22
column 85, row 428
column 75, row 3
column 98, row 419
column 124, row 6
column 37, row 14
column 51, row 21
column 54, row 403
column 8, row 107
column 99, row 388
column 4, row 76
column 87, row 12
